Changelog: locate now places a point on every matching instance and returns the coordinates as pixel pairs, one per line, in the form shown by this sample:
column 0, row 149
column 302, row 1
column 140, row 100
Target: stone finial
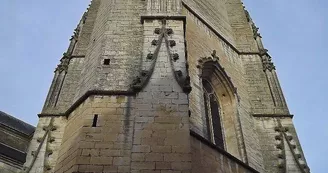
column 248, row 16
column 175, row 57
column 214, row 56
column 172, row 43
column 64, row 62
column 267, row 62
column 255, row 31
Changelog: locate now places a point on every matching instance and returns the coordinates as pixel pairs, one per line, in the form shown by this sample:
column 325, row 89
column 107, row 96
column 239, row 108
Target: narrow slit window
column 95, row 119
column 106, row 61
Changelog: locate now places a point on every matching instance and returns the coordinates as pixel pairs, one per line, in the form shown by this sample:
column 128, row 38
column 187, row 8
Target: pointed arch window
column 212, row 113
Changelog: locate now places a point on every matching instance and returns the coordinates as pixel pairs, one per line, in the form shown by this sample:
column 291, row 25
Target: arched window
column 212, row 111
column 220, row 111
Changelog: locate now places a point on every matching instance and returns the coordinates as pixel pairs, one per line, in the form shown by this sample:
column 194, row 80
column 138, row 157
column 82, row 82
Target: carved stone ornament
column 183, row 79
column 248, row 16
column 287, row 138
column 175, row 57
column 84, row 17
column 255, row 31
column 154, row 42
column 214, row 61
column 76, row 33
column 48, row 151
column 213, row 58
column 267, row 63
column 64, row 62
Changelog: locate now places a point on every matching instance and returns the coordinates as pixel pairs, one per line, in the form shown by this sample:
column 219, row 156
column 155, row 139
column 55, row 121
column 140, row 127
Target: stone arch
column 226, row 94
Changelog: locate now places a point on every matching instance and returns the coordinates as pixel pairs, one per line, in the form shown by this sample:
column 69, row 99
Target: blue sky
column 34, row 34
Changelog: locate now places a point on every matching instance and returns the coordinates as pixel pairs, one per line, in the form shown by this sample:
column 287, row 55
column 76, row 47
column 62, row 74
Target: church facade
column 165, row 86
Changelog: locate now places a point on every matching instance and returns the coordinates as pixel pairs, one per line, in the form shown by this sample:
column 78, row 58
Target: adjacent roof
column 14, row 123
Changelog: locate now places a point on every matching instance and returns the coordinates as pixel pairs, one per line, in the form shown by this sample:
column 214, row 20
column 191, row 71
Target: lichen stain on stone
column 164, row 110
column 120, row 99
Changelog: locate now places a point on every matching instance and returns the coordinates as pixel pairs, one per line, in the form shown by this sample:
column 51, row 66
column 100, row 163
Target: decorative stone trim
column 64, row 62
column 214, row 59
column 284, row 137
column 267, row 61
column 162, row 17
column 144, row 76
column 35, row 154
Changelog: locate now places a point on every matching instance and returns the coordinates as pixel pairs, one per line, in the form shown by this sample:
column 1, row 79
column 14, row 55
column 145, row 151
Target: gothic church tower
column 165, row 86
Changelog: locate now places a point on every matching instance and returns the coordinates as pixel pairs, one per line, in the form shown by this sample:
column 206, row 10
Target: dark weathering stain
column 127, row 115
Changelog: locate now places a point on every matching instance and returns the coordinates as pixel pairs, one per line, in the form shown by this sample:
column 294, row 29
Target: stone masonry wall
column 117, row 36
column 264, row 90
column 68, row 90
column 63, row 88
column 105, row 147
column 207, row 160
column 258, row 87
column 201, row 42
column 161, row 142
column 214, row 12
column 243, row 33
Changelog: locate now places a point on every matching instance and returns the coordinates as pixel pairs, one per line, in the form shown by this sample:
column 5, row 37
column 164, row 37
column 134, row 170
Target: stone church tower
column 165, row 86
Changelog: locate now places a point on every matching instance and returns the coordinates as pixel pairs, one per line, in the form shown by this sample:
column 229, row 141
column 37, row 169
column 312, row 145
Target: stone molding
column 162, row 17
column 273, row 115
column 214, row 60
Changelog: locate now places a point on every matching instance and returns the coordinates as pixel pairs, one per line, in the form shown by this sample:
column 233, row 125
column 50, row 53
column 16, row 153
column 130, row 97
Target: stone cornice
column 77, row 56
column 161, row 17
column 274, row 115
